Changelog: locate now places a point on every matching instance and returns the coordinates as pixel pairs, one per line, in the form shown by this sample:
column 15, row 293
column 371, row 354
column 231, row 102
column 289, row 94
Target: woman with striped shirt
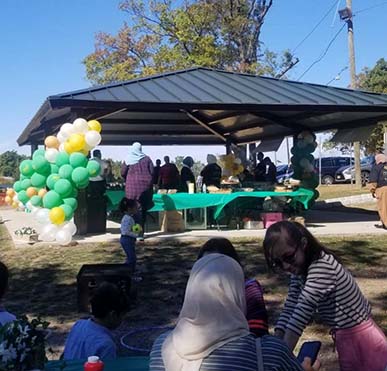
column 319, row 283
column 212, row 333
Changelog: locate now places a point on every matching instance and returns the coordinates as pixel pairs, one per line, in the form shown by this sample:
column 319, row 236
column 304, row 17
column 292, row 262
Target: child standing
column 320, row 283
column 128, row 235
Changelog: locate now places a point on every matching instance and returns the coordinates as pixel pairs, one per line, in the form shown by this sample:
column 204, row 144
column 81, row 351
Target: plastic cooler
column 271, row 218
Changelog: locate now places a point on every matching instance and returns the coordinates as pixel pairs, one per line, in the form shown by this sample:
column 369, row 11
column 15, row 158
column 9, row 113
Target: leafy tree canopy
column 9, row 164
column 164, row 35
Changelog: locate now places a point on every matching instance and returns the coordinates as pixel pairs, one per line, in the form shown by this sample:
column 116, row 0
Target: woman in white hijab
column 212, row 332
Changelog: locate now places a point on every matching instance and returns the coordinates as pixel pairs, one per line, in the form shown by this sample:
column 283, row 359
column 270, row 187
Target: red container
column 271, row 218
column 93, row 364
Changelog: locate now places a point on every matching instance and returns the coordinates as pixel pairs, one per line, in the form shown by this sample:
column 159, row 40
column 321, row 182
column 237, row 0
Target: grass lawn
column 339, row 190
column 43, row 282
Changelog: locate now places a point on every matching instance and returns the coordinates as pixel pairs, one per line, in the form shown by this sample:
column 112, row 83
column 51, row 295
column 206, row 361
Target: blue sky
column 43, row 43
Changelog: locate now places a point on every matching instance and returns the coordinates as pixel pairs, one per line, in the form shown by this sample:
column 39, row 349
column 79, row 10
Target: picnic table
column 182, row 201
column 119, row 364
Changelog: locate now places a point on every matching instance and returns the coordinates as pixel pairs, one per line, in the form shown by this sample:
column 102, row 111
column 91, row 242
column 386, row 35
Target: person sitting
column 256, row 314
column 93, row 337
column 212, row 331
column 212, row 172
column 169, row 175
column 5, row 316
column 186, row 174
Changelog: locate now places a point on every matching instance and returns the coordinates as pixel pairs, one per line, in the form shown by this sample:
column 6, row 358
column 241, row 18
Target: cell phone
column 309, row 349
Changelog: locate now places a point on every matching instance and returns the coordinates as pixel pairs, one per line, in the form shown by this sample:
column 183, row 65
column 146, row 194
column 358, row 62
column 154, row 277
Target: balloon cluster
column 49, row 182
column 231, row 165
column 303, row 161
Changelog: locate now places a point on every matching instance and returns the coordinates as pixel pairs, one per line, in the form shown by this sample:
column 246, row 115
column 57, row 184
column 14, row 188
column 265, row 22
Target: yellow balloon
column 15, row 205
column 94, row 125
column 42, row 192
column 8, row 200
column 51, row 142
column 10, row 192
column 57, row 215
column 31, row 191
column 84, row 151
column 77, row 142
column 68, row 147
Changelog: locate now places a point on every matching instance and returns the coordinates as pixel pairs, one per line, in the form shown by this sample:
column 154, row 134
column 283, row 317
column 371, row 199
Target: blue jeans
column 128, row 243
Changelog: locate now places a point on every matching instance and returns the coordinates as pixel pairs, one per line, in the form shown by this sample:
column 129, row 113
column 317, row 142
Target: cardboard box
column 171, row 221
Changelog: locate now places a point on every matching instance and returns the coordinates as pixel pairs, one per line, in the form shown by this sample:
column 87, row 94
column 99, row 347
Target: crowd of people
column 223, row 322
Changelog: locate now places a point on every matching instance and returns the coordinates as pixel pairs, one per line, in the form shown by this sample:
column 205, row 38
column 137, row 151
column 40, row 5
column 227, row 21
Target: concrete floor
column 341, row 221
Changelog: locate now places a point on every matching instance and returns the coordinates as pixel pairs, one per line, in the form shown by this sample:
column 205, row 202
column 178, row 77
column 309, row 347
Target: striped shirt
column 238, row 355
column 331, row 291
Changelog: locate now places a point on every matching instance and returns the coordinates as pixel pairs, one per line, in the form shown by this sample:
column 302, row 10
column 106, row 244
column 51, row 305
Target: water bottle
column 204, row 188
column 93, row 364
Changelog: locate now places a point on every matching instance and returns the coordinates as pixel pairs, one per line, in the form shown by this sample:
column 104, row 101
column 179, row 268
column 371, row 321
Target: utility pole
column 346, row 15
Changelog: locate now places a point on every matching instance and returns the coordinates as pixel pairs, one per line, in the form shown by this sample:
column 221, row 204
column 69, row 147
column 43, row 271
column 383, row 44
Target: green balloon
column 36, row 200
column 94, row 168
column 61, row 159
column 68, row 210
column 41, row 165
column 74, row 193
column 38, row 152
column 54, row 169
column 80, row 175
column 22, row 196
column 38, row 180
column 26, row 168
column 71, row 201
column 83, row 184
column 63, row 187
column 78, row 159
column 17, row 186
column 51, row 199
column 51, row 180
column 65, row 171
column 25, row 183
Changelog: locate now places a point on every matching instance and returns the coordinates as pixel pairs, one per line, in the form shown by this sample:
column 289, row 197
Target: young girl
column 320, row 283
column 256, row 313
column 128, row 237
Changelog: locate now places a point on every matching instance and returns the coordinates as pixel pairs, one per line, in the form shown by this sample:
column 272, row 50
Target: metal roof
column 206, row 106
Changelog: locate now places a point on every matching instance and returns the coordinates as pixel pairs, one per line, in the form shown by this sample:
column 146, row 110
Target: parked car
column 346, row 173
column 329, row 166
column 284, row 172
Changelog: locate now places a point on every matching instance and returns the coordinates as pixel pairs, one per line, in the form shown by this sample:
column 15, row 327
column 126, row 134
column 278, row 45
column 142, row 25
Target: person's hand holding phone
column 307, row 364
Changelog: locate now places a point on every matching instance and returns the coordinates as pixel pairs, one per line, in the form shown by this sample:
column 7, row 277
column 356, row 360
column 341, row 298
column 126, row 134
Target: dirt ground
column 43, row 282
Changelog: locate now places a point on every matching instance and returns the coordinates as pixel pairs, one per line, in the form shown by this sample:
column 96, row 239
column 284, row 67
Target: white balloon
column 63, row 237
column 80, row 126
column 61, row 148
column 34, row 211
column 15, row 199
column 93, row 138
column 67, row 129
column 29, row 205
column 61, row 137
column 49, row 232
column 51, row 154
column 42, row 216
column 21, row 206
column 70, row 227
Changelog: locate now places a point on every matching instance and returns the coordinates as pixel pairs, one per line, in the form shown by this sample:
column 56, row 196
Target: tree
column 375, row 80
column 196, row 168
column 9, row 164
column 170, row 35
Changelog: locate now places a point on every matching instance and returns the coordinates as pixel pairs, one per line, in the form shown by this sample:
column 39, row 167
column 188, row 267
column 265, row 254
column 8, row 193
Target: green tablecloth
column 181, row 201
column 119, row 364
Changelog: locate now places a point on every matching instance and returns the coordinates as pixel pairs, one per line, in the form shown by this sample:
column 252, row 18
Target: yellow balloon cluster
column 10, row 198
column 231, row 166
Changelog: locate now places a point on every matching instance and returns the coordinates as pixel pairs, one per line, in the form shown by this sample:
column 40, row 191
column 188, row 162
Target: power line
column 338, row 75
column 323, row 54
column 371, row 7
column 314, row 28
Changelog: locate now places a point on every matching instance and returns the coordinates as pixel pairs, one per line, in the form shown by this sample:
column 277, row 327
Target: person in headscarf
column 212, row 172
column 186, row 174
column 138, row 175
column 212, row 331
column 378, row 187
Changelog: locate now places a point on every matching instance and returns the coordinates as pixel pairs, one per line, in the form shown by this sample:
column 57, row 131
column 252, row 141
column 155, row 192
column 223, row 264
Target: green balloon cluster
column 61, row 179
column 303, row 161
